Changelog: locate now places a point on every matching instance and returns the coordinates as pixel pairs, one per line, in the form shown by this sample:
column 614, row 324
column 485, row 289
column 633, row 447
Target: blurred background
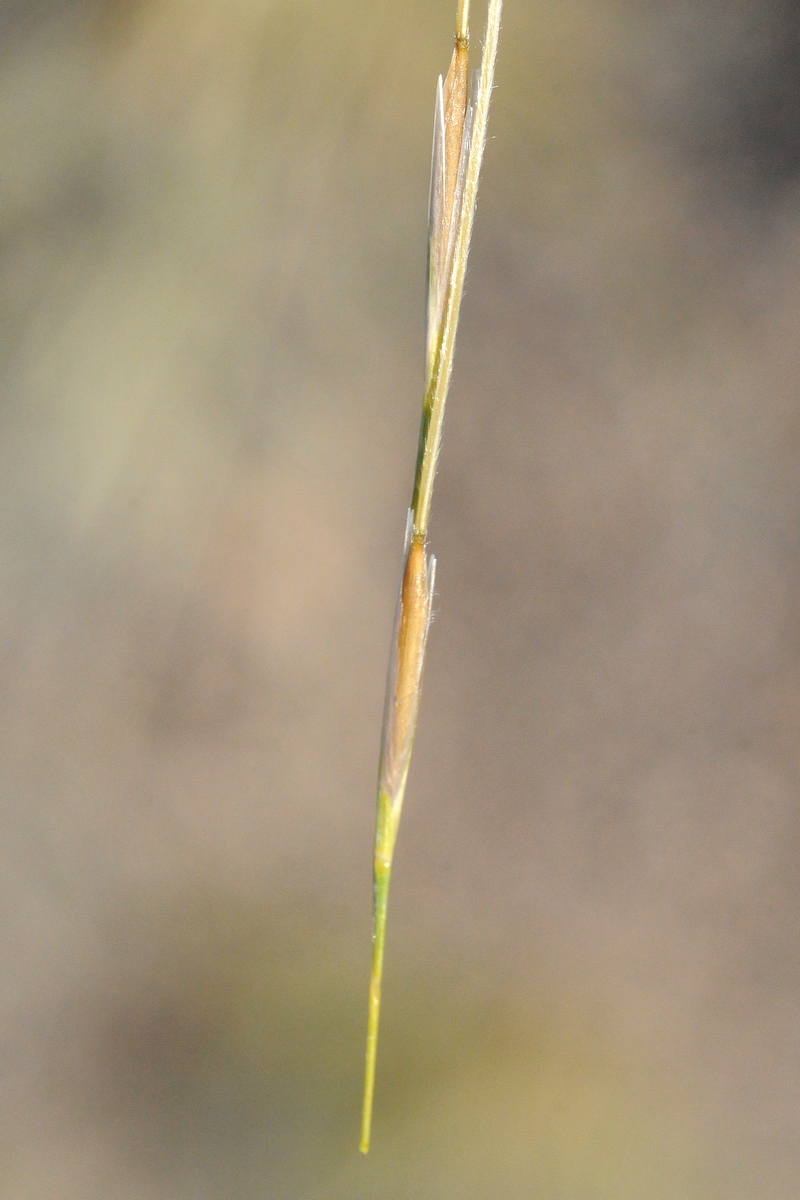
column 212, row 232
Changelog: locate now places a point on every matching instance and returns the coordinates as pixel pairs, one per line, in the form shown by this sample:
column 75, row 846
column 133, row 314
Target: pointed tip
column 366, row 1117
column 366, row 1122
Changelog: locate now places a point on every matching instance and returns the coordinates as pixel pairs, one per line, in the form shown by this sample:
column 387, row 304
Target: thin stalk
column 462, row 21
column 458, row 143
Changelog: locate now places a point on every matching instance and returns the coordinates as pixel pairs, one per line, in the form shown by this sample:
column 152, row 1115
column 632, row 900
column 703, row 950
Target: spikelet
column 404, row 681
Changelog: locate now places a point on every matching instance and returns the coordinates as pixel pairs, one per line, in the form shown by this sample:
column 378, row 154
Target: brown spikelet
column 411, row 634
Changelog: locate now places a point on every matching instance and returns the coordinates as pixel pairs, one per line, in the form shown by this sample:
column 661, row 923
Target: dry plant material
column 459, row 137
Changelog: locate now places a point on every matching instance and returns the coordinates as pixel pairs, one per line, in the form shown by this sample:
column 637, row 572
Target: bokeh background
column 212, row 230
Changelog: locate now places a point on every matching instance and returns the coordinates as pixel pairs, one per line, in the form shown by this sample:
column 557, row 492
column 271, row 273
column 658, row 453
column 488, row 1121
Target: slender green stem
column 383, row 875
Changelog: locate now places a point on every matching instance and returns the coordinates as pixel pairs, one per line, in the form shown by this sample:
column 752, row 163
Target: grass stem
column 462, row 21
column 458, row 143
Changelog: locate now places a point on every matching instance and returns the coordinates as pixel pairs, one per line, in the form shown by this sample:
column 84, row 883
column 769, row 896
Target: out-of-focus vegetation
column 212, row 226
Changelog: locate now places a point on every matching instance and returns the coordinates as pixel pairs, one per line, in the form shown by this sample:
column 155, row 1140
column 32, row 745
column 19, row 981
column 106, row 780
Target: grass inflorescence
column 459, row 138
